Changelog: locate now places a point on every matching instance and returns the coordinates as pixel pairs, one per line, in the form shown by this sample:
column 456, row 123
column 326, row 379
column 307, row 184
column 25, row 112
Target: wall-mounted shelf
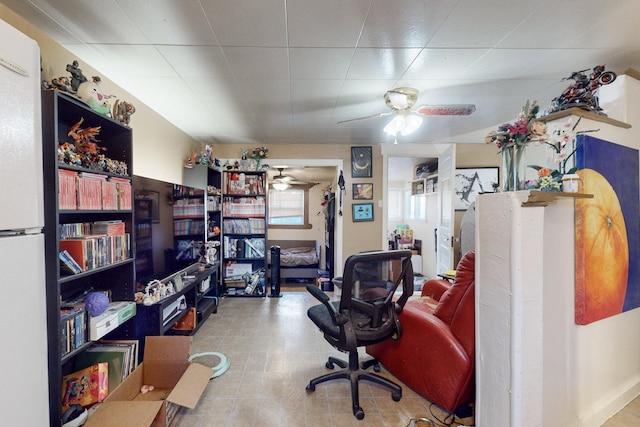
column 543, row 198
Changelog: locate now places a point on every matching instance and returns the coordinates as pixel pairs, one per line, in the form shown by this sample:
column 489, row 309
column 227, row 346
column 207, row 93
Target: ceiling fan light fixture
column 280, row 185
column 404, row 124
column 395, row 125
column 411, row 123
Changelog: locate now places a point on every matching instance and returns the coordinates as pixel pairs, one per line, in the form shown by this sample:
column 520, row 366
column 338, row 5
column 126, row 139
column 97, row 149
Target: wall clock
column 361, row 162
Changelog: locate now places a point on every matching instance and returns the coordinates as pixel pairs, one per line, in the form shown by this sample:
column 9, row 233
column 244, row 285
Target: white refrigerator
column 23, row 324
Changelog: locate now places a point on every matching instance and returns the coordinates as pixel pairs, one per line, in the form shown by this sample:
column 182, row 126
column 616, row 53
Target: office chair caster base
column 396, row 396
column 358, row 412
column 310, row 388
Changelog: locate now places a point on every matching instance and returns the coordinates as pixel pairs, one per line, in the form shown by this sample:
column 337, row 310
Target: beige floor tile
column 274, row 350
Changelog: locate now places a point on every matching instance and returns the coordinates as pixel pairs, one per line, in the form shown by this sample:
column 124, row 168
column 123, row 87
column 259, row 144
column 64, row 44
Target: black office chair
column 367, row 313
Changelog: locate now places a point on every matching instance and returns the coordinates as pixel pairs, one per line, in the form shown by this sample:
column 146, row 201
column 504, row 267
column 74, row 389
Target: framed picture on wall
column 362, row 212
column 361, row 158
column 362, row 191
column 473, row 181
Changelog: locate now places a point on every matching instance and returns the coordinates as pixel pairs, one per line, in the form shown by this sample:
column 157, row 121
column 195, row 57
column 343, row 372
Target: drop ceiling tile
column 380, row 64
column 319, row 63
column 168, row 21
column 443, row 63
column 256, row 63
column 247, row 22
column 196, row 61
column 411, row 25
column 327, row 23
column 480, row 24
column 266, row 96
column 321, row 96
column 135, row 61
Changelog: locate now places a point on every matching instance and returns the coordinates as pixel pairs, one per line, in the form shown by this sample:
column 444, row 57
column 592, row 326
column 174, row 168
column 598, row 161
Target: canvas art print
column 473, row 181
column 607, row 230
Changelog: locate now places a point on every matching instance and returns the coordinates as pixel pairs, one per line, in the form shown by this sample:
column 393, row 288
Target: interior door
column 446, row 186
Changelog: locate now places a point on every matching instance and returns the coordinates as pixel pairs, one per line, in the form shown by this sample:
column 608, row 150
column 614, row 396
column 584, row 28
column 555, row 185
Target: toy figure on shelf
column 122, row 112
column 84, row 139
column 581, row 93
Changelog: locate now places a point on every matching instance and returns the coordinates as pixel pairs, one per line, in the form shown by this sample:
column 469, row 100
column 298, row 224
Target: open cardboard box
column 178, row 383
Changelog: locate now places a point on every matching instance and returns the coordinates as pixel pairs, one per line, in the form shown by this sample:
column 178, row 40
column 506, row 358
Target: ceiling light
column 405, row 124
column 411, row 124
column 280, row 185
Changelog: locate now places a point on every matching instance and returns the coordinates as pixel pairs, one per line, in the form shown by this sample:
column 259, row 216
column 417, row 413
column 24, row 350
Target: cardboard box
column 86, row 386
column 178, row 383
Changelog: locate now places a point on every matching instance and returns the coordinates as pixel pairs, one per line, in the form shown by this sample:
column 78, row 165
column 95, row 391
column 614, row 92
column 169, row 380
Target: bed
column 299, row 259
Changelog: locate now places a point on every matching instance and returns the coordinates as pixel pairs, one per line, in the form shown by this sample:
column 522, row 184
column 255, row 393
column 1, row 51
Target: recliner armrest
column 434, row 288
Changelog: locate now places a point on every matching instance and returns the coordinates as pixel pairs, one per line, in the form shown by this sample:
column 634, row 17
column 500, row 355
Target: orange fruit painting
column 602, row 251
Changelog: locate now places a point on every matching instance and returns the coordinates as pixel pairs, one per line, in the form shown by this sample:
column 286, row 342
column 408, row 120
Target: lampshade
column 279, row 185
column 406, row 124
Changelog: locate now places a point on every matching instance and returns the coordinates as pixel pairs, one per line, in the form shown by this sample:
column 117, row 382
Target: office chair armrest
column 338, row 318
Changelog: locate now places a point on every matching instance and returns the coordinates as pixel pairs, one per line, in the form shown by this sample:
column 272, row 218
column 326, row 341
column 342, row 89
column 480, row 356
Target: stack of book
column 120, row 355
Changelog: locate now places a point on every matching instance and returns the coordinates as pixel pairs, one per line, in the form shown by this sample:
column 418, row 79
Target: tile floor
column 274, row 350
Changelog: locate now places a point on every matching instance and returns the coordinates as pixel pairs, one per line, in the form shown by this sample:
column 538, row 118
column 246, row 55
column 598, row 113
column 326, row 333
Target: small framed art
column 361, row 162
column 362, row 212
column 473, row 181
column 362, row 191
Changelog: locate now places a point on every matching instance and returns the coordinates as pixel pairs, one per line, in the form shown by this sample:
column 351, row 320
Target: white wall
column 535, row 366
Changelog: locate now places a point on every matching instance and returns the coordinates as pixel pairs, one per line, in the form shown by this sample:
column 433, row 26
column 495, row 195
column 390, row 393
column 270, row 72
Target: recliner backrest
column 465, row 277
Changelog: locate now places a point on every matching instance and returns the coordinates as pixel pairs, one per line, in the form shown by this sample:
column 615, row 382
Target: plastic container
column 571, row 183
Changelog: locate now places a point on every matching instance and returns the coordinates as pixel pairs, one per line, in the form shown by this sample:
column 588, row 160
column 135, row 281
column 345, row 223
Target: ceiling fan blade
column 367, row 117
column 446, row 110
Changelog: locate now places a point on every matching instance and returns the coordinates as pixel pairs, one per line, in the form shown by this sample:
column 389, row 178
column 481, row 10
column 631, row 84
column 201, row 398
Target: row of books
column 113, row 359
column 92, row 191
column 73, row 328
column 181, row 191
column 244, row 247
column 182, row 227
column 79, row 229
column 96, row 251
column 213, row 203
column 188, row 208
column 243, row 226
column 243, row 210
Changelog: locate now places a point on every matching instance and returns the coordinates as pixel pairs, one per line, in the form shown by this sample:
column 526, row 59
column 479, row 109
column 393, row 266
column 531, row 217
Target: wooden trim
column 575, row 111
column 543, row 198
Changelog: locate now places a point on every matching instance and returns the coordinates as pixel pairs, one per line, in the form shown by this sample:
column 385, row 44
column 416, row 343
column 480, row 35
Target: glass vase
column 513, row 168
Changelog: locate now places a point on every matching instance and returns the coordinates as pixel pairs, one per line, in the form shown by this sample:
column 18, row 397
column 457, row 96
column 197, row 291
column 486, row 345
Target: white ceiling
column 286, row 71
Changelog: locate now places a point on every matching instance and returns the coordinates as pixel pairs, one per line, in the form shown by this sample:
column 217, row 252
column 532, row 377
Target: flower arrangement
column 562, row 142
column 512, row 138
column 519, row 133
column 260, row 153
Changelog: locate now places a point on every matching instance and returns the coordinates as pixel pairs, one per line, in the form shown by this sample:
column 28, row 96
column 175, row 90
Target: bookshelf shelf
column 83, row 198
column 244, row 217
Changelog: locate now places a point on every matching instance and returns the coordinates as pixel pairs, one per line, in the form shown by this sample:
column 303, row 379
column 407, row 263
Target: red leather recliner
column 435, row 354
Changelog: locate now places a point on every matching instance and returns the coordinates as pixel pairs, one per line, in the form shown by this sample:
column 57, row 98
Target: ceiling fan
column 282, row 182
column 400, row 100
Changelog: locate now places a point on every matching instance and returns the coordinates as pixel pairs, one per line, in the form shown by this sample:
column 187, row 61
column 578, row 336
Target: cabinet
column 196, row 298
column 426, row 185
column 84, row 197
column 244, row 211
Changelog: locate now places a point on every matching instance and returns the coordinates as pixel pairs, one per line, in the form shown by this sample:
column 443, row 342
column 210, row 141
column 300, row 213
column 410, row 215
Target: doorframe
column 403, row 150
column 339, row 165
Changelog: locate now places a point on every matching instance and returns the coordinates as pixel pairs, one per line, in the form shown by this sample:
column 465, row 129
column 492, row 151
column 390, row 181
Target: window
column 289, row 208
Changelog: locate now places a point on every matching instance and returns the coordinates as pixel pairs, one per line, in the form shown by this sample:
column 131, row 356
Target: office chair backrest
column 369, row 286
